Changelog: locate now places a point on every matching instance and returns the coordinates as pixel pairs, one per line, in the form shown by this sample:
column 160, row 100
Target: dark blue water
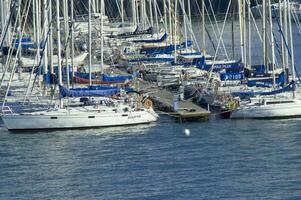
column 221, row 159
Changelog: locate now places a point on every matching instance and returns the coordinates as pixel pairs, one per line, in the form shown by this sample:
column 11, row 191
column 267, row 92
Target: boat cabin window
column 278, row 102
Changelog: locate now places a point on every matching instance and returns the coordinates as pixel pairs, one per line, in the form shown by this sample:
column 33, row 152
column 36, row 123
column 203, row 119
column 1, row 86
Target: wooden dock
column 187, row 110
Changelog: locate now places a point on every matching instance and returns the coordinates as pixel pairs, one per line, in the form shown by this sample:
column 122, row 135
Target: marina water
column 220, row 159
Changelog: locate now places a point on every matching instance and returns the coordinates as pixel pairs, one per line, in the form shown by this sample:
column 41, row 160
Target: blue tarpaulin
column 289, row 88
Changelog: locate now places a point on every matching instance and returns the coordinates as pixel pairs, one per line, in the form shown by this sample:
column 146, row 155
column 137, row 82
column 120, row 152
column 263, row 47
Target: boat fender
column 148, row 104
column 232, row 105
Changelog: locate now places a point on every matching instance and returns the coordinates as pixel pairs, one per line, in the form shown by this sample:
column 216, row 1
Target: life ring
column 148, row 104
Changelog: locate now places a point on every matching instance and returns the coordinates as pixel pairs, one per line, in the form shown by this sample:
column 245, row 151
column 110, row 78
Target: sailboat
column 278, row 103
column 113, row 113
column 78, row 60
column 274, row 104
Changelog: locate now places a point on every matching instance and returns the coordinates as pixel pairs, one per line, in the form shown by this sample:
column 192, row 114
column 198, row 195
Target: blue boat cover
column 83, row 75
column 289, row 88
column 268, row 82
column 151, row 59
column 230, row 66
column 162, row 39
column 116, row 78
column 24, row 39
column 165, row 49
column 232, row 76
column 101, row 87
column 150, row 30
column 26, row 43
column 88, row 92
column 258, row 69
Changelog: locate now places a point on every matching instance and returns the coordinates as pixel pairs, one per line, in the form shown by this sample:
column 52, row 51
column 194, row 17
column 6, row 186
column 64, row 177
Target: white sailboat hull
column 68, row 120
column 282, row 110
column 78, row 60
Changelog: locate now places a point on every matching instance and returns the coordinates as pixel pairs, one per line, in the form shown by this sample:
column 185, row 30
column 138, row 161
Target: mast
column 90, row 43
column 250, row 35
column 264, row 33
column 72, row 40
column 165, row 16
column 241, row 25
column 184, row 23
column 93, row 4
column 189, row 13
column 175, row 31
column 59, row 46
column 96, row 6
column 156, row 16
column 6, row 14
column 285, row 22
column 138, row 22
column 122, row 13
column 20, row 35
column 102, row 35
column 291, row 40
column 280, row 5
column 203, row 27
column 34, row 20
column 151, row 13
column 1, row 17
column 45, row 56
column 272, row 41
column 50, row 39
column 142, row 14
column 134, row 12
column 244, row 31
column 66, row 25
column 232, row 31
column 38, row 26
column 170, row 20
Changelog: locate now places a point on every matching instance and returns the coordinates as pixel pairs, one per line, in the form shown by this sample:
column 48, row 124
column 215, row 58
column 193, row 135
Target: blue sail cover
column 232, row 76
column 88, row 92
column 24, row 39
column 165, row 49
column 162, row 39
column 289, row 88
column 152, row 59
column 268, row 82
column 258, row 69
column 137, row 32
column 116, row 78
column 83, row 75
column 230, row 66
column 26, row 43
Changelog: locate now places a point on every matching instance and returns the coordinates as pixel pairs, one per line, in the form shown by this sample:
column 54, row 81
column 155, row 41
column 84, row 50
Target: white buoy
column 187, row 132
